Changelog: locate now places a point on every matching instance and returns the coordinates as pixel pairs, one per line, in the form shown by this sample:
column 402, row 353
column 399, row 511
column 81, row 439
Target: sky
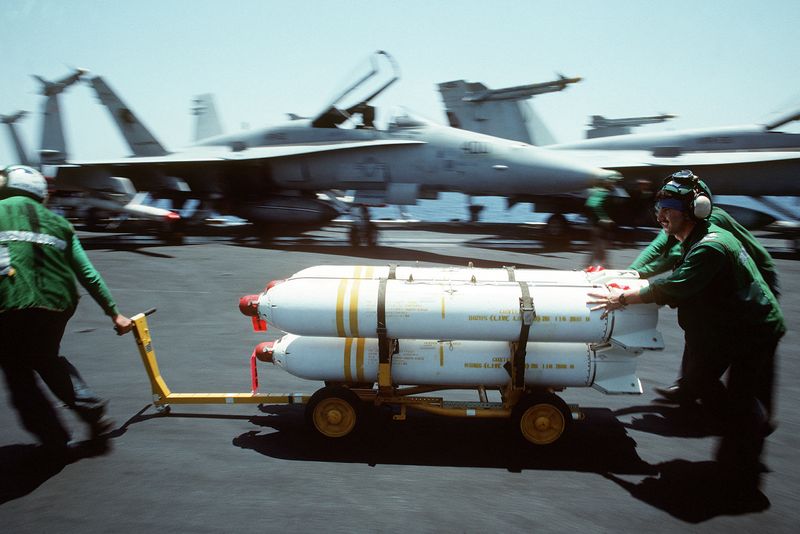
column 712, row 63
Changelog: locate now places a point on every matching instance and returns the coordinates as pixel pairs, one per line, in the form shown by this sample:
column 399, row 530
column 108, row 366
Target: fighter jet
column 750, row 160
column 339, row 148
column 738, row 160
column 754, row 160
column 116, row 197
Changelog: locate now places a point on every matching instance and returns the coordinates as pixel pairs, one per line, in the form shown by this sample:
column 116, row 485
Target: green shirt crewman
column 595, row 208
column 728, row 314
column 40, row 260
column 664, row 252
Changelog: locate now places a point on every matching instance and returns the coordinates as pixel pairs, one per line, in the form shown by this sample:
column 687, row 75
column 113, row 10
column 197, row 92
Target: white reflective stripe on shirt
column 32, row 237
column 5, row 260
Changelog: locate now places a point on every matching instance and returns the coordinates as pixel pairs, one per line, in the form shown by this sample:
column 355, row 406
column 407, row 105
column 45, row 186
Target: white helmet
column 22, row 180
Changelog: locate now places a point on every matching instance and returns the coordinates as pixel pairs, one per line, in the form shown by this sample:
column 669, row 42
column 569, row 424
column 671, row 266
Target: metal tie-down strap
column 384, row 343
column 392, row 271
column 527, row 315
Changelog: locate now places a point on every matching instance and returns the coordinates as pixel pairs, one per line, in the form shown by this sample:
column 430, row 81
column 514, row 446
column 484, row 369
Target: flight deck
column 630, row 464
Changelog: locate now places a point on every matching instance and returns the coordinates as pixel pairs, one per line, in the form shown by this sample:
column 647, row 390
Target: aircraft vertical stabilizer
column 206, row 122
column 783, row 119
column 53, row 149
column 499, row 112
column 138, row 137
column 22, row 155
column 540, row 133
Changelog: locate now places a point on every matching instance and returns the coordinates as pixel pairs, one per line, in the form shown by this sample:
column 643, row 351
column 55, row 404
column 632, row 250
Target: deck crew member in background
column 40, row 259
column 596, row 207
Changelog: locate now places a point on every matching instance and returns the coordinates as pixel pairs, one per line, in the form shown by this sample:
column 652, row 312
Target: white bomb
column 458, row 363
column 465, row 274
column 487, row 311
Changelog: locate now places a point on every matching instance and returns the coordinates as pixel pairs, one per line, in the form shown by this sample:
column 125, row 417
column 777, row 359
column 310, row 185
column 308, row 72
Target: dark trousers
column 750, row 377
column 600, row 239
column 703, row 365
column 30, row 341
column 750, row 381
column 744, row 406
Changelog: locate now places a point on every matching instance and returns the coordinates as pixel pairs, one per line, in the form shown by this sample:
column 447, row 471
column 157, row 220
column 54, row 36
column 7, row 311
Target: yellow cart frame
column 333, row 415
column 163, row 396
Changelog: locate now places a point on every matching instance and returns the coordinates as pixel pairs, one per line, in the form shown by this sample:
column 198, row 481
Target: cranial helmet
column 684, row 191
column 22, row 180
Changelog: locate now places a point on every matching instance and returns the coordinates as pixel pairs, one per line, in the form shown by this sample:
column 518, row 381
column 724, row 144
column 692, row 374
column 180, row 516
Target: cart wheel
column 334, row 412
column 541, row 419
column 163, row 409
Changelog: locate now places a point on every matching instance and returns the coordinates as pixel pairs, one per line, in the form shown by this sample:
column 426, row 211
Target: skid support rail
column 162, row 396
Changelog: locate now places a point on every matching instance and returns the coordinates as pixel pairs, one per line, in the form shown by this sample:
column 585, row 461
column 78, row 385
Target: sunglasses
column 669, row 203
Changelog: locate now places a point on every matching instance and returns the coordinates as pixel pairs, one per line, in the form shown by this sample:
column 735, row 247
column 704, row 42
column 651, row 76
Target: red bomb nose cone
column 273, row 284
column 248, row 305
column 264, row 351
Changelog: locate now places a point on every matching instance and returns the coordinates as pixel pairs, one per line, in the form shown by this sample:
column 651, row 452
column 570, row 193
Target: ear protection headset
column 686, row 186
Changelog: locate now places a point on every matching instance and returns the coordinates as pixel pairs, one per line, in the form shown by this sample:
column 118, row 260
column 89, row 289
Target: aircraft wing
column 622, row 160
column 210, row 154
column 747, row 173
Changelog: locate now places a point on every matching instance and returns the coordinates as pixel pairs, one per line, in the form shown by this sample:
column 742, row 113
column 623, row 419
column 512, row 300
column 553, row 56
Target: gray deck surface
column 630, row 466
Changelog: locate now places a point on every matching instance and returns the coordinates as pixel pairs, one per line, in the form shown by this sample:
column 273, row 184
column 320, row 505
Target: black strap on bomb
column 527, row 315
column 384, row 343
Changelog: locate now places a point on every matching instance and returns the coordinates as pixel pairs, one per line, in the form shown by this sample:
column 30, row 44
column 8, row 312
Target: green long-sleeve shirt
column 664, row 251
column 41, row 258
column 717, row 289
column 596, row 203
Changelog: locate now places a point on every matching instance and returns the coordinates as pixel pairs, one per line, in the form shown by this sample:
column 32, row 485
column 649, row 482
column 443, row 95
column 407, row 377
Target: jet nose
column 551, row 173
column 605, row 176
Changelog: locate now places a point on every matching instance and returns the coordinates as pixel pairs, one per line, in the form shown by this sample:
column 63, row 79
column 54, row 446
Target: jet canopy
column 372, row 78
column 404, row 120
